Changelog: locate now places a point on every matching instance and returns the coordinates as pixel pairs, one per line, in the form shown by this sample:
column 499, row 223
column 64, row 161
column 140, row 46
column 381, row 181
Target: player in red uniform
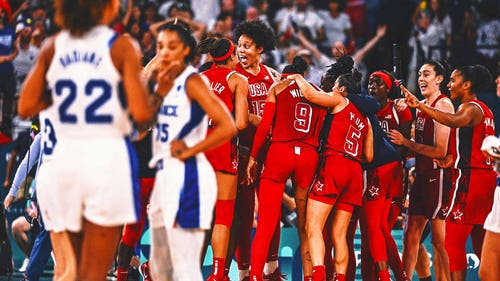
column 232, row 88
column 254, row 38
column 383, row 184
column 349, row 142
column 476, row 179
column 429, row 195
column 296, row 124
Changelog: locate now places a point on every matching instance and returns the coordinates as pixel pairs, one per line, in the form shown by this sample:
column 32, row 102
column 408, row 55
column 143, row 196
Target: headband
column 386, row 78
column 227, row 54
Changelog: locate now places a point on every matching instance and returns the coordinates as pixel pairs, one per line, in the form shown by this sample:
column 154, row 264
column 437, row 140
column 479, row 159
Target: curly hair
column 261, row 34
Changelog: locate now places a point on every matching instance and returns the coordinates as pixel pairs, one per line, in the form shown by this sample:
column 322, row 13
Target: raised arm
column 360, row 54
column 311, row 94
column 467, row 115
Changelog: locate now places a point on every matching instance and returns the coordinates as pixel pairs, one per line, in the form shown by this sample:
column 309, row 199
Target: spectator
column 337, row 25
column 305, row 16
column 8, row 51
column 27, row 52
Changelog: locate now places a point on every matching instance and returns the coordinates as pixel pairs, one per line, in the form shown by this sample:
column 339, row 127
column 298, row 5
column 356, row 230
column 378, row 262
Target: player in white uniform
column 185, row 190
column 87, row 185
column 490, row 257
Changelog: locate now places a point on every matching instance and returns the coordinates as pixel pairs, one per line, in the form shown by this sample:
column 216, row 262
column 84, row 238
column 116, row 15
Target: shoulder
column 275, row 74
column 445, row 104
column 47, row 50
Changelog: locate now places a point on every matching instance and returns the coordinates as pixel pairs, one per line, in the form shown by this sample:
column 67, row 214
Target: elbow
column 241, row 125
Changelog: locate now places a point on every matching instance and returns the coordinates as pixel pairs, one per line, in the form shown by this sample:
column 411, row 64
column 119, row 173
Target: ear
column 260, row 49
column 439, row 79
column 186, row 51
column 467, row 85
column 342, row 89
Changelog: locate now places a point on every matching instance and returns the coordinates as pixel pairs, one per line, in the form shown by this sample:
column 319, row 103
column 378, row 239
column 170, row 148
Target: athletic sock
column 384, row 275
column 270, row 267
column 218, row 267
column 319, row 273
column 339, row 276
column 428, row 278
column 243, row 273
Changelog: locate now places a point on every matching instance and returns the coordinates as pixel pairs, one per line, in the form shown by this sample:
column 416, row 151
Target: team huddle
column 228, row 136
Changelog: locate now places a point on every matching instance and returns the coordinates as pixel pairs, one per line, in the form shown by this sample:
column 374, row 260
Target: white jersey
column 90, row 166
column 185, row 191
column 88, row 100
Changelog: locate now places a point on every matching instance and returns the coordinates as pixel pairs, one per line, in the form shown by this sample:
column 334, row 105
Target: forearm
column 423, row 149
column 445, row 118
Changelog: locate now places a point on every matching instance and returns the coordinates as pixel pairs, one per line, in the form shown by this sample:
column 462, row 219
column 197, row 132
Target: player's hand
column 6, row 183
column 410, row 99
column 166, row 74
column 400, row 104
column 251, row 170
column 445, row 162
column 8, row 201
column 396, row 137
column 32, row 211
column 179, row 149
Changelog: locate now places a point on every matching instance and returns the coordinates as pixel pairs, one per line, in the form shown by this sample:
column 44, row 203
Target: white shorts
column 91, row 179
column 184, row 194
column 492, row 222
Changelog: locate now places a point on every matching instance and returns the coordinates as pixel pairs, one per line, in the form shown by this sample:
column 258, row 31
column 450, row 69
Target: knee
column 19, row 225
column 438, row 244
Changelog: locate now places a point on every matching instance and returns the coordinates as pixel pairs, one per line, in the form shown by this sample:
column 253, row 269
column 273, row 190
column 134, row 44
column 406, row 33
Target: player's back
column 88, row 100
column 296, row 118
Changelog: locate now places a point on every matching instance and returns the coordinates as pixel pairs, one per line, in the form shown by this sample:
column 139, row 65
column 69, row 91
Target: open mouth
column 243, row 59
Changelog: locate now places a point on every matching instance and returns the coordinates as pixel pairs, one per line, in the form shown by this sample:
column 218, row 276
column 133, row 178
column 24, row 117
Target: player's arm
column 34, row 95
column 467, row 115
column 198, row 91
column 313, row 95
column 368, row 145
column 239, row 86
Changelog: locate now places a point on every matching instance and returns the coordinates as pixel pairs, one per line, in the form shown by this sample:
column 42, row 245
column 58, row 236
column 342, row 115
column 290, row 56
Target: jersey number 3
column 100, row 89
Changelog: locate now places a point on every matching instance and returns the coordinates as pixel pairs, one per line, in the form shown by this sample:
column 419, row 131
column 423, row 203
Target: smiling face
column 456, row 85
column 247, row 51
column 377, row 88
column 428, row 81
column 170, row 47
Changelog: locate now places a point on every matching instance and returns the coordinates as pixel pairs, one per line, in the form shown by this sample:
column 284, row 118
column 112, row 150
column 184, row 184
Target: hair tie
column 384, row 76
column 227, row 54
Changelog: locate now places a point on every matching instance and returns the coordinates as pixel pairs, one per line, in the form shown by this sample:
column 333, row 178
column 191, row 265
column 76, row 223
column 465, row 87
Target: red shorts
column 291, row 159
column 384, row 182
column 430, row 194
column 224, row 158
column 340, row 181
column 475, row 189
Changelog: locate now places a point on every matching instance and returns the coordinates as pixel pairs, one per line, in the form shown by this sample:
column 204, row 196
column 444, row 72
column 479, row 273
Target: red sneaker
column 144, row 270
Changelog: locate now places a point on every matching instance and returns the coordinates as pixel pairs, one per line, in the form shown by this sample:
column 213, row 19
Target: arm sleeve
column 264, row 128
column 368, row 105
column 28, row 162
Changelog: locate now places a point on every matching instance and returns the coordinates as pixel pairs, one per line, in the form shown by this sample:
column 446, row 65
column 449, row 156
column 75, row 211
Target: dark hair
column 180, row 6
column 478, row 75
column 217, row 47
column 79, row 16
column 299, row 65
column 344, row 64
column 260, row 33
column 352, row 81
column 223, row 16
column 182, row 29
column 441, row 67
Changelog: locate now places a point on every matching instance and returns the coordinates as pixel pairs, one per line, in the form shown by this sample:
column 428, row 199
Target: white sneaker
column 24, row 266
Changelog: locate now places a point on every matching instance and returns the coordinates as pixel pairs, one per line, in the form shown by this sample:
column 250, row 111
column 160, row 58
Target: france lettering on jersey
column 185, row 191
column 88, row 100
column 296, row 118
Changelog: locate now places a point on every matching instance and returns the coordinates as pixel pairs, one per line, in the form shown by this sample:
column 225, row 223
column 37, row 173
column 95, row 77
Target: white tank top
column 179, row 118
column 88, row 100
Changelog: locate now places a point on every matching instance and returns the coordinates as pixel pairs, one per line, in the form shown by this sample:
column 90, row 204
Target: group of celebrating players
column 236, row 128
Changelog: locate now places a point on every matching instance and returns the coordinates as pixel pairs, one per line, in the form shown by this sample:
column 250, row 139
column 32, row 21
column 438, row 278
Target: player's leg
column 98, row 250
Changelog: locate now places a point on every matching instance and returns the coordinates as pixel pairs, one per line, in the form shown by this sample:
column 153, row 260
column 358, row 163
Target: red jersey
column 218, row 77
column 348, row 131
column 469, row 140
column 390, row 118
column 258, row 86
column 424, row 134
column 296, row 118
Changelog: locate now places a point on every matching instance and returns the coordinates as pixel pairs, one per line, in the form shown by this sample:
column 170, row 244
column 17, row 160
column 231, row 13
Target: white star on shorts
column 373, row 190
column 457, row 215
column 319, row 186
